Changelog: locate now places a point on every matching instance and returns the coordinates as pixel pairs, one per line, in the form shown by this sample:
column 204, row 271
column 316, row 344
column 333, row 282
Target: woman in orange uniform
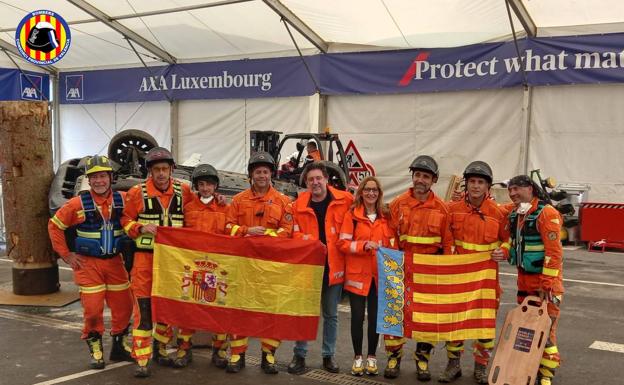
column 365, row 228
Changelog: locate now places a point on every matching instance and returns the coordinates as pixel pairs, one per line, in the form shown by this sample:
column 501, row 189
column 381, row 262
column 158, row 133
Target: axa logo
column 409, row 75
column 30, row 86
column 74, row 89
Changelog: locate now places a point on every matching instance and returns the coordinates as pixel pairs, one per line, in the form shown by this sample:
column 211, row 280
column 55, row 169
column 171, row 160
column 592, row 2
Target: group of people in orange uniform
column 352, row 227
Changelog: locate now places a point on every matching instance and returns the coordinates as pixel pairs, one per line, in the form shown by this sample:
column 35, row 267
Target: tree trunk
column 26, row 166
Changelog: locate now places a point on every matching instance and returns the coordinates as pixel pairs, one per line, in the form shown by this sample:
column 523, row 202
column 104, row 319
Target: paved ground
column 42, row 345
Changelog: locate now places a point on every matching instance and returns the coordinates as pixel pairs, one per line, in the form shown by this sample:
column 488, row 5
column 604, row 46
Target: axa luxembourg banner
column 253, row 286
column 436, row 297
column 546, row 61
column 275, row 77
column 15, row 85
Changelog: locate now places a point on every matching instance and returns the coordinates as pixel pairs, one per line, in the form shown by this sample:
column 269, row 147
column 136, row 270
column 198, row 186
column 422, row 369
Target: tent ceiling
column 204, row 30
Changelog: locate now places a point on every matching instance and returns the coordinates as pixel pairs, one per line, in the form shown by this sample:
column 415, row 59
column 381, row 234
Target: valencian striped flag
column 253, row 286
column 450, row 297
column 445, row 297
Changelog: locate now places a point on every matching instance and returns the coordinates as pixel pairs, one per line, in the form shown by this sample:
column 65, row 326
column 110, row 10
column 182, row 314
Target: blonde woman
column 365, row 228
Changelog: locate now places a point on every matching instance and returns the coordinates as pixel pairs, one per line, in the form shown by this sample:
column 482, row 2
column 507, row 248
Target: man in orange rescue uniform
column 259, row 210
column 159, row 201
column 203, row 213
column 421, row 220
column 97, row 264
column 535, row 227
column 478, row 225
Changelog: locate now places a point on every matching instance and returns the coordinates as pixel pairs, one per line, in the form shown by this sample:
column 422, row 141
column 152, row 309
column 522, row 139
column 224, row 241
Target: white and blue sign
column 16, row 86
column 74, row 89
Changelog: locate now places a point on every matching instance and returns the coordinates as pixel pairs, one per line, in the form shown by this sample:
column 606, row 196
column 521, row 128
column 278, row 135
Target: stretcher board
column 454, row 185
column 521, row 344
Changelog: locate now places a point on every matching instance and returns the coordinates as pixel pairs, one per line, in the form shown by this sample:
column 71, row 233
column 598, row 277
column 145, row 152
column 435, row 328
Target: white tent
column 568, row 131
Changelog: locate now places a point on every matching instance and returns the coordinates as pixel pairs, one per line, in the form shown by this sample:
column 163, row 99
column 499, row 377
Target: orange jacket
column 134, row 203
column 360, row 265
column 506, row 208
column 549, row 226
column 209, row 218
column 306, row 227
column 272, row 210
column 422, row 227
column 71, row 214
column 477, row 230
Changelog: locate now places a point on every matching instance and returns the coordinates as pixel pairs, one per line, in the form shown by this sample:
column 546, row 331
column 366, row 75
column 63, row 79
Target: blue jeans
column 330, row 296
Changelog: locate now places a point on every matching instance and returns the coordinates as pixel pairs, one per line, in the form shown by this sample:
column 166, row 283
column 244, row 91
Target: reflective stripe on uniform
column 551, row 349
column 270, row 233
column 129, row 226
column 395, row 342
column 234, row 229
column 421, row 240
column 353, row 247
column 92, row 289
column 141, row 333
column 119, row 287
column 143, row 352
column 549, row 363
column 534, row 247
column 550, row 272
column 295, row 227
column 476, row 246
column 58, row 223
column 240, row 342
column 505, row 245
column 346, row 236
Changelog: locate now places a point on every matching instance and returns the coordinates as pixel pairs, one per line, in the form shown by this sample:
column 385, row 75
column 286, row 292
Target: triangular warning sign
column 354, row 159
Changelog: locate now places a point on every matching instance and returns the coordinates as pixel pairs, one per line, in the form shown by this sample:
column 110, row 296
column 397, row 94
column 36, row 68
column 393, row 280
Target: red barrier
column 602, row 225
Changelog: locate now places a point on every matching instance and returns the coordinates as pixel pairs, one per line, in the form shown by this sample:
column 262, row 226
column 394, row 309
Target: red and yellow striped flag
column 253, row 286
column 451, row 297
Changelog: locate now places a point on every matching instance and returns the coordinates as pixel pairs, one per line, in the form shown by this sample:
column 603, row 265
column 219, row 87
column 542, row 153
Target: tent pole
column 322, row 113
column 56, row 126
column 173, row 126
column 527, row 100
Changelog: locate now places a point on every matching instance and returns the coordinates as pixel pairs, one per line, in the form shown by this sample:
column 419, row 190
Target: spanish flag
column 252, row 286
column 450, row 297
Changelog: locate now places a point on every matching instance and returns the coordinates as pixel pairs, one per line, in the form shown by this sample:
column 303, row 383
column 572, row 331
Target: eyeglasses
column 372, row 190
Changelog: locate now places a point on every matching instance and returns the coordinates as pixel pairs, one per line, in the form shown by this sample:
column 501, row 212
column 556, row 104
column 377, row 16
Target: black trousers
column 358, row 305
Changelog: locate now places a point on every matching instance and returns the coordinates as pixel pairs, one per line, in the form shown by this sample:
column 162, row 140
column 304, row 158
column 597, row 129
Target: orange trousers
column 104, row 281
column 143, row 328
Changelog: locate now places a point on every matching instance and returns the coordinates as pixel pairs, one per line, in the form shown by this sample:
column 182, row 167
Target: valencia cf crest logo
column 43, row 37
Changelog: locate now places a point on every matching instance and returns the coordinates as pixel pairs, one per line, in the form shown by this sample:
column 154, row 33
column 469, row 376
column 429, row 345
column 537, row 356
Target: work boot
column 219, row 358
column 142, row 369
column 452, row 371
column 394, row 366
column 371, row 366
column 422, row 370
column 120, row 350
column 542, row 380
column 236, row 363
column 160, row 354
column 297, row 365
column 330, row 364
column 480, row 373
column 268, row 363
column 94, row 341
column 184, row 355
column 357, row 369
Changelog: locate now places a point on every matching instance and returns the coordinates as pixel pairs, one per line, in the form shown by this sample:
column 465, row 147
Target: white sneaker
column 371, row 366
column 358, row 367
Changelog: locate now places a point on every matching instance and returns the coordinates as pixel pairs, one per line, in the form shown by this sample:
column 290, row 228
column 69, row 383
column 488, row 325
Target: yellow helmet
column 98, row 163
